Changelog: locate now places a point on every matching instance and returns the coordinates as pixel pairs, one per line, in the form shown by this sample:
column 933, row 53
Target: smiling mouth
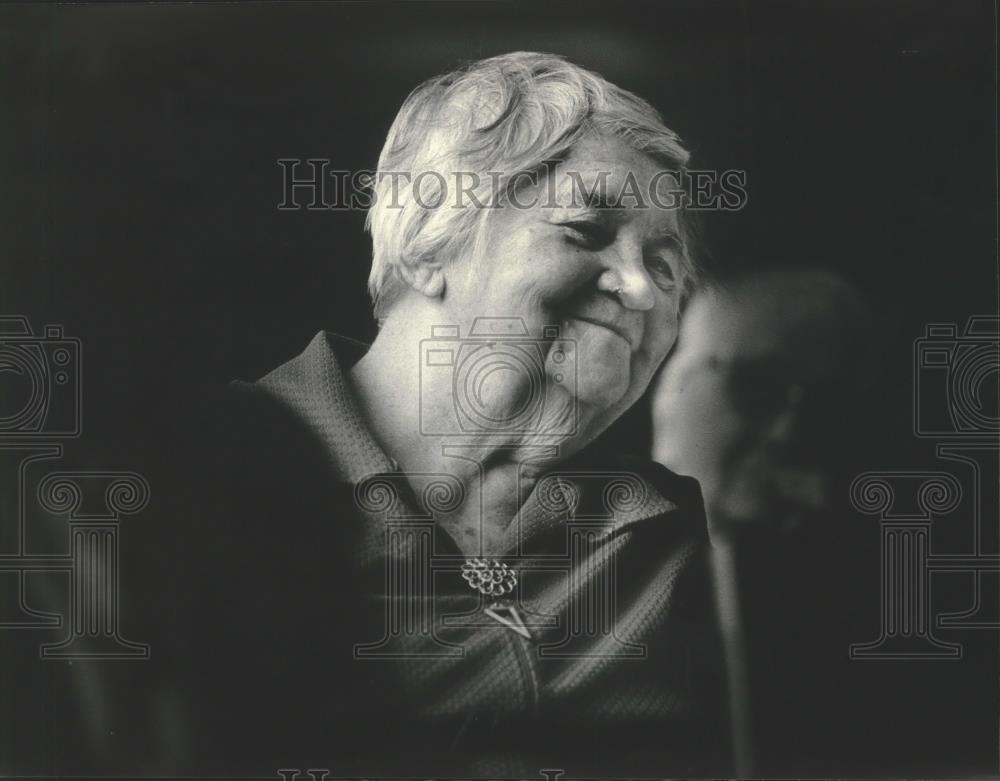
column 613, row 327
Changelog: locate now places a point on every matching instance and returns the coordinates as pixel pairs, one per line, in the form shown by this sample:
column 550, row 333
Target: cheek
column 660, row 333
column 554, row 281
column 564, row 272
column 530, row 264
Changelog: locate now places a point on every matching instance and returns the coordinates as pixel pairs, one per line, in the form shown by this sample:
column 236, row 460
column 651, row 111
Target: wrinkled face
column 609, row 276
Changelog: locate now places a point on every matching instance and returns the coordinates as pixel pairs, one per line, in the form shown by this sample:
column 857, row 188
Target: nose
column 625, row 275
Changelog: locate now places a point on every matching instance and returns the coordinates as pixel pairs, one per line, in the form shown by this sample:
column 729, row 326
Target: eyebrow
column 666, row 235
column 669, row 234
column 598, row 198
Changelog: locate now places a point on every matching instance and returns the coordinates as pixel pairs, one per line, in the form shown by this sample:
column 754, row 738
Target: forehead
column 604, row 172
column 600, row 150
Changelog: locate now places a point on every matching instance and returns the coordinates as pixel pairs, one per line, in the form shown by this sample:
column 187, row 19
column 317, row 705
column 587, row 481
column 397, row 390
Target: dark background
column 139, row 190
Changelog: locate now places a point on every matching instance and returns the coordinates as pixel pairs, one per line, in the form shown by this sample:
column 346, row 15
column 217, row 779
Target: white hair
column 497, row 118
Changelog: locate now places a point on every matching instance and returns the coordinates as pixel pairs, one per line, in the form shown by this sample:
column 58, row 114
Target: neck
column 496, row 473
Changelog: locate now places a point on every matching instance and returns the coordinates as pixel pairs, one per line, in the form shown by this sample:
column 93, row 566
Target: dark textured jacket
column 335, row 627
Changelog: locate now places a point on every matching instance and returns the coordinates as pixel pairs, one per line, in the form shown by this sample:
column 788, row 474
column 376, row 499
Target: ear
column 424, row 276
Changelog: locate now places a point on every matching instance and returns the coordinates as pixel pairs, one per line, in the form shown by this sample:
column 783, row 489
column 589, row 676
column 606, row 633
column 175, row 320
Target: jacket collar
column 610, row 494
column 316, row 387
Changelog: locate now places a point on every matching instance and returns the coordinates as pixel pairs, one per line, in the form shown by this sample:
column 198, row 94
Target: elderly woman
column 428, row 568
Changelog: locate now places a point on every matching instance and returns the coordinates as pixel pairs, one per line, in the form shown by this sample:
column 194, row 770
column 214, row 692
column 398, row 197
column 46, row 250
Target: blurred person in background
column 756, row 404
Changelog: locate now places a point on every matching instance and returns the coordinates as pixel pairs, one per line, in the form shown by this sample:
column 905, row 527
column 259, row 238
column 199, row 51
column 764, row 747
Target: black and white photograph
column 499, row 391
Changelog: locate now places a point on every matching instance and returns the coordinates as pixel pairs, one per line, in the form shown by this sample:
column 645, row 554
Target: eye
column 662, row 272
column 588, row 233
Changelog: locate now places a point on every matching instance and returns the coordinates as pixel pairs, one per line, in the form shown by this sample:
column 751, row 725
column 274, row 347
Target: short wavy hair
column 498, row 118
